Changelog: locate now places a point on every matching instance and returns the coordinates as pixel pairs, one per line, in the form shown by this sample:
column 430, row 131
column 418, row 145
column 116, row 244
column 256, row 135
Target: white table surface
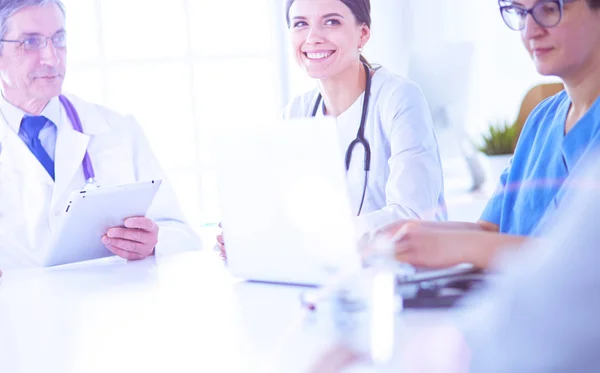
column 178, row 314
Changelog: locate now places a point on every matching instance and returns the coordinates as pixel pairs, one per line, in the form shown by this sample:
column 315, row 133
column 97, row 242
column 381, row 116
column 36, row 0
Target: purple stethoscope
column 88, row 169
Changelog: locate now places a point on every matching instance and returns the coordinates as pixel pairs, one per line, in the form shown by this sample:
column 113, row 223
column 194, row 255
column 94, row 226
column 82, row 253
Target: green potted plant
column 499, row 145
column 499, row 140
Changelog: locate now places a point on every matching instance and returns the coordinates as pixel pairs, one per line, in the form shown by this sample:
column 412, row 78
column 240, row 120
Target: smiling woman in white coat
column 42, row 153
column 377, row 112
column 384, row 124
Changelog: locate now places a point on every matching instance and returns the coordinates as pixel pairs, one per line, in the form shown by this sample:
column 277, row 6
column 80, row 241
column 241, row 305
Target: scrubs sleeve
column 493, row 211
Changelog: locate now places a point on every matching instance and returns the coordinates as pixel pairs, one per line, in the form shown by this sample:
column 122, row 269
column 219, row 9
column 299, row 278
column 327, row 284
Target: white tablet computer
column 89, row 214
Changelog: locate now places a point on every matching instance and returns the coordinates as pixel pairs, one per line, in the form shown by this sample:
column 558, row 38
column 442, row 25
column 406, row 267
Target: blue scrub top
column 533, row 185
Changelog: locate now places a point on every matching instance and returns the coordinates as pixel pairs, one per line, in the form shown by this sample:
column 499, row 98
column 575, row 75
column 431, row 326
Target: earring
column 360, row 49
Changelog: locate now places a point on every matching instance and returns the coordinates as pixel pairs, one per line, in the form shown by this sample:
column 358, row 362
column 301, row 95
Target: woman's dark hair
column 360, row 8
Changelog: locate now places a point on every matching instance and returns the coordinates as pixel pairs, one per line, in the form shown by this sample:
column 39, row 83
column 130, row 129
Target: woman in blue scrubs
column 563, row 39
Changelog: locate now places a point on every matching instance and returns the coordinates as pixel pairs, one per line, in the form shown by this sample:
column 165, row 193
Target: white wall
column 390, row 35
column 183, row 68
column 501, row 70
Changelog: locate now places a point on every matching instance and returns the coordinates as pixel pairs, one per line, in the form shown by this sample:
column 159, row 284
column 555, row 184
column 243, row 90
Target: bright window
column 182, row 68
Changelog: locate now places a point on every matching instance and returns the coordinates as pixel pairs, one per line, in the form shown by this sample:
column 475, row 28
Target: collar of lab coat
column 92, row 121
column 71, row 145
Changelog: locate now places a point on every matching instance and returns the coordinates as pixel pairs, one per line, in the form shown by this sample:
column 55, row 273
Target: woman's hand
column 424, row 246
column 439, row 245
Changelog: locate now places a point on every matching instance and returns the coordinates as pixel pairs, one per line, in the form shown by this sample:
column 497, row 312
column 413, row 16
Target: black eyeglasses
column 37, row 42
column 547, row 13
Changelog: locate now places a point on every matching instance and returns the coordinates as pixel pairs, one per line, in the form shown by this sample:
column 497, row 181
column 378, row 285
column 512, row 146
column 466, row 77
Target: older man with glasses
column 43, row 152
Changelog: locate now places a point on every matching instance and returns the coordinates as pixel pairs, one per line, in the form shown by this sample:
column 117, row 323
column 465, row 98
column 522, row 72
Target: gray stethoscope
column 88, row 168
column 360, row 136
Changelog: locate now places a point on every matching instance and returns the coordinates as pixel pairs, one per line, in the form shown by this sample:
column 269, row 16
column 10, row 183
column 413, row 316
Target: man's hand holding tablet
column 135, row 241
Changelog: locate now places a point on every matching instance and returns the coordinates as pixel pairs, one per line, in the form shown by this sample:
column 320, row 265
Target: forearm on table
column 482, row 247
column 481, row 226
column 453, row 225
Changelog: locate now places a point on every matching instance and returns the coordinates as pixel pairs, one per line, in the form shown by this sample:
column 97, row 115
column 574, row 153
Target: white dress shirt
column 13, row 116
column 405, row 180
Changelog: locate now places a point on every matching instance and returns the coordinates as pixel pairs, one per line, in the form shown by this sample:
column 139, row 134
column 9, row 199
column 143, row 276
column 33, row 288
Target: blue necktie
column 30, row 132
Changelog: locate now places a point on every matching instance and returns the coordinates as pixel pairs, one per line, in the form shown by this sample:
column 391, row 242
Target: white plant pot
column 496, row 164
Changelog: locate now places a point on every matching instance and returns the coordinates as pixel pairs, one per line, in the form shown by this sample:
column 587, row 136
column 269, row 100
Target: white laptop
column 286, row 214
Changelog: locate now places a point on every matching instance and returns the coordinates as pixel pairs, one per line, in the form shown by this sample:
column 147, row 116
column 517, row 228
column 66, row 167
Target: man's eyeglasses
column 547, row 13
column 37, row 42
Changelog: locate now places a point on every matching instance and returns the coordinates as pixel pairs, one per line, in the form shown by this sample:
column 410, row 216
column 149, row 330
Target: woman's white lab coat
column 32, row 204
column 405, row 180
